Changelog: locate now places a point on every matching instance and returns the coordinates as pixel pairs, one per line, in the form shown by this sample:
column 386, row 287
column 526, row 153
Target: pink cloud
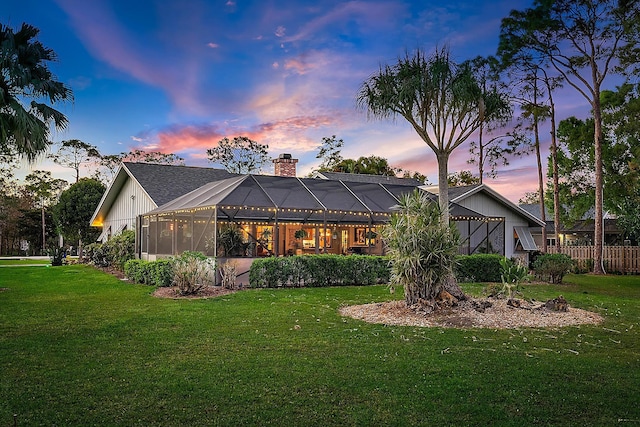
column 280, row 31
column 107, row 39
column 297, row 65
column 285, row 134
column 189, row 137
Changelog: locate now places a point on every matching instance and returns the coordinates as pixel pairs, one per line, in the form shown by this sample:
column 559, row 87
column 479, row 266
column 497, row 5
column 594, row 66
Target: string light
column 166, row 216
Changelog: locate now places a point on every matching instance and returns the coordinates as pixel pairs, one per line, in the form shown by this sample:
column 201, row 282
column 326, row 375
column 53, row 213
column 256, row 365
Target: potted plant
column 299, row 235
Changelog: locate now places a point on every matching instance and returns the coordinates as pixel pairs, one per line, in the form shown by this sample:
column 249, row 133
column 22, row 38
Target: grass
column 79, row 347
column 24, row 261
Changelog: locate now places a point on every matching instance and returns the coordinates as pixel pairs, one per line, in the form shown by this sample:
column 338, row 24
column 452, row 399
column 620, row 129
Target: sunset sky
column 178, row 76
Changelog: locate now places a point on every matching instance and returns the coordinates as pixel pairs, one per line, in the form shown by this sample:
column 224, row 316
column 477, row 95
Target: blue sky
column 177, row 76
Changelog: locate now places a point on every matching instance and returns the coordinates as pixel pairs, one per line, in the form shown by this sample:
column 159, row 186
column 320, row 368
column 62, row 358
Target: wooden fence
column 617, row 259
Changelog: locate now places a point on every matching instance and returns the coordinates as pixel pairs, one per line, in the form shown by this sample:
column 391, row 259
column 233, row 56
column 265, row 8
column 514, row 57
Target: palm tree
column 24, row 75
column 439, row 98
column 421, row 248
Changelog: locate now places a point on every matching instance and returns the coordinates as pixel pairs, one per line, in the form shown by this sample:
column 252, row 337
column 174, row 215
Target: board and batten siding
column 132, row 201
column 488, row 206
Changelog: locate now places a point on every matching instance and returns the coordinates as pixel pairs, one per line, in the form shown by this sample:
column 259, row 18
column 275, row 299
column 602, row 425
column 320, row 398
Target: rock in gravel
column 557, row 304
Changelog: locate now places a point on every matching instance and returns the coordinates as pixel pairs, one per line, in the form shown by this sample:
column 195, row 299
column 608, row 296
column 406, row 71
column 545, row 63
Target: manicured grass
column 24, row 261
column 79, row 347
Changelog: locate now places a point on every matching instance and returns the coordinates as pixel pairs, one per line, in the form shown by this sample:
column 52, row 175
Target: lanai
column 338, row 216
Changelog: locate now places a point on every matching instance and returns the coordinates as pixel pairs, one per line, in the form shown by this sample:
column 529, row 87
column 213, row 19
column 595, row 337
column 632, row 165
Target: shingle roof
column 373, row 179
column 164, row 183
column 534, row 209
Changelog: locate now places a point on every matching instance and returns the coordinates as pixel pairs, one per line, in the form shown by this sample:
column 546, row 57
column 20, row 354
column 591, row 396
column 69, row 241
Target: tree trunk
column 599, row 220
column 421, row 294
column 554, row 163
column 451, row 285
column 543, row 214
column 443, row 185
column 480, row 152
column 428, row 297
column 536, row 130
column 80, row 249
column 44, row 233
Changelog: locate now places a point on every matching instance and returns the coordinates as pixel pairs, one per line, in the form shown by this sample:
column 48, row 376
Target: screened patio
column 258, row 215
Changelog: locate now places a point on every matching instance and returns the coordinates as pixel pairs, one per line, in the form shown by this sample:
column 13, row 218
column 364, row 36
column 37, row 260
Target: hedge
column 319, row 271
column 154, row 273
column 478, row 268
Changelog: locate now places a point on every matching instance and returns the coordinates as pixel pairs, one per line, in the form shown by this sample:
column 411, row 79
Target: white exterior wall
column 488, row 206
column 132, row 201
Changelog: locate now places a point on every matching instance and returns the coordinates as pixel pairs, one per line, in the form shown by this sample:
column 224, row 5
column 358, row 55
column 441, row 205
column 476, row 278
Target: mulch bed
column 208, row 292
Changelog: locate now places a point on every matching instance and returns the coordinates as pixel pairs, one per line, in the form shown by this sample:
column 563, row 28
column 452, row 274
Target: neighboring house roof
column 373, row 179
column 458, row 194
column 534, row 209
column 586, row 224
column 162, row 183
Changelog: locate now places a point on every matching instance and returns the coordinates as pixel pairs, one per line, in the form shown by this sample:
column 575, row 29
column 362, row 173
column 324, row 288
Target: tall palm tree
column 24, row 75
column 439, row 98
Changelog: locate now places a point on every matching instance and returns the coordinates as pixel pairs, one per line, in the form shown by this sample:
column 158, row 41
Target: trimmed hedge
column 478, row 268
column 319, row 271
column 154, row 273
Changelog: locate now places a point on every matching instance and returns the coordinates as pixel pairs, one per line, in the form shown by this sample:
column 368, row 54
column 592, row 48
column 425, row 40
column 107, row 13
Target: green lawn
column 24, row 261
column 79, row 347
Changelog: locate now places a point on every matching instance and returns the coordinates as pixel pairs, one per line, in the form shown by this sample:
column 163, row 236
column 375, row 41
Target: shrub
column 162, row 272
column 552, row 267
column 478, row 268
column 97, row 254
column 229, row 274
column 264, row 273
column 114, row 253
column 56, row 255
column 318, row 271
column 155, row 273
column 137, row 270
column 422, row 249
column 512, row 274
column 121, row 248
column 192, row 272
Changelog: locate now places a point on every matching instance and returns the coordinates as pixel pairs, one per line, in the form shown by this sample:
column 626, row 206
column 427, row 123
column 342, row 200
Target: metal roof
column 261, row 197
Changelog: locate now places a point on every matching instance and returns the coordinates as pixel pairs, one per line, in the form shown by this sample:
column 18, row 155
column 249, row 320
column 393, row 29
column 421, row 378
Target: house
column 178, row 208
column 140, row 187
column 512, row 234
column 579, row 233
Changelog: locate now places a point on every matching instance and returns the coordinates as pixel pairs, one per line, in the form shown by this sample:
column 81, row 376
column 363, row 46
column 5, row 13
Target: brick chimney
column 284, row 165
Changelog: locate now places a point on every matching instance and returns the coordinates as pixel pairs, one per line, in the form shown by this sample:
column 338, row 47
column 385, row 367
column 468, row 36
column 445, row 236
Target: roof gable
column 164, row 183
column 458, row 194
column 161, row 183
